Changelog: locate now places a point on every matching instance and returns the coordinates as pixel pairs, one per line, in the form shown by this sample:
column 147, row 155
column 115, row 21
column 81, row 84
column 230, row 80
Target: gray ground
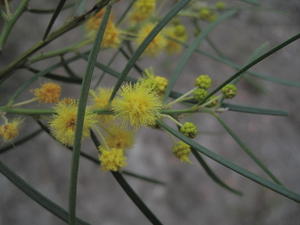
column 190, row 197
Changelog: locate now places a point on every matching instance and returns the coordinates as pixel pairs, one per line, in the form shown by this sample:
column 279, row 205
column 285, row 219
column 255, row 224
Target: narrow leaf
column 233, row 65
column 255, row 54
column 254, row 110
column 26, row 84
column 21, row 141
column 252, row 2
column 81, row 113
column 191, row 49
column 47, row 11
column 112, row 59
column 129, row 191
column 136, row 199
column 254, row 62
column 220, row 159
column 211, row 173
column 247, row 150
column 97, row 162
column 67, row 68
column 122, row 17
column 79, row 6
column 170, row 15
column 58, row 9
column 36, row 195
column 58, row 77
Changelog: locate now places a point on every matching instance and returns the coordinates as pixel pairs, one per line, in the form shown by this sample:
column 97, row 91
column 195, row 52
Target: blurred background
column 189, row 196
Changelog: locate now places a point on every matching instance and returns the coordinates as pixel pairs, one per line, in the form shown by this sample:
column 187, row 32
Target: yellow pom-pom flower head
column 142, row 10
column 10, row 130
column 112, row 36
column 156, row 45
column 119, row 137
column 137, row 105
column 94, row 21
column 112, row 159
column 182, row 151
column 48, row 93
column 63, row 123
column 177, row 32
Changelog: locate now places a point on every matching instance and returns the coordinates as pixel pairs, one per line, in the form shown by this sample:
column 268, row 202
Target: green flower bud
column 220, row 5
column 180, row 30
column 203, row 81
column 182, row 150
column 189, row 129
column 213, row 103
column 207, row 14
column 200, row 94
column 229, row 91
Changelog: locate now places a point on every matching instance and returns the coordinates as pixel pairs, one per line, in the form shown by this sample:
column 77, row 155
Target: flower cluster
column 48, row 93
column 115, row 116
column 10, row 130
column 142, row 10
column 182, row 151
column 112, row 36
column 137, row 105
column 63, row 123
column 141, row 20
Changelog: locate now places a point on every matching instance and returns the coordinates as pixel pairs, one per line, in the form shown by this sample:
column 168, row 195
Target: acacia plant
column 111, row 115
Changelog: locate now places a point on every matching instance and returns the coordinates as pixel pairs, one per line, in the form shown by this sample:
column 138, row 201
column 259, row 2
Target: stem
column 7, row 71
column 4, row 118
column 59, row 52
column 47, row 11
column 10, row 22
column 23, row 111
column 25, row 102
column 108, row 64
column 68, row 69
column 214, row 47
column 178, row 111
column 181, row 98
column 81, row 113
column 101, row 137
column 7, row 8
column 254, row 62
column 172, row 119
column 210, row 101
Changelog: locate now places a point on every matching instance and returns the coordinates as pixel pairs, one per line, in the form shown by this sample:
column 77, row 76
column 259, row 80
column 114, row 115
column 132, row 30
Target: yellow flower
column 10, row 130
column 94, row 21
column 207, row 14
column 182, row 150
column 118, row 137
column 156, row 45
column 63, row 123
column 112, row 159
column 100, row 100
column 48, row 93
column 142, row 10
column 112, row 35
column 137, row 105
column 157, row 83
column 177, row 32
